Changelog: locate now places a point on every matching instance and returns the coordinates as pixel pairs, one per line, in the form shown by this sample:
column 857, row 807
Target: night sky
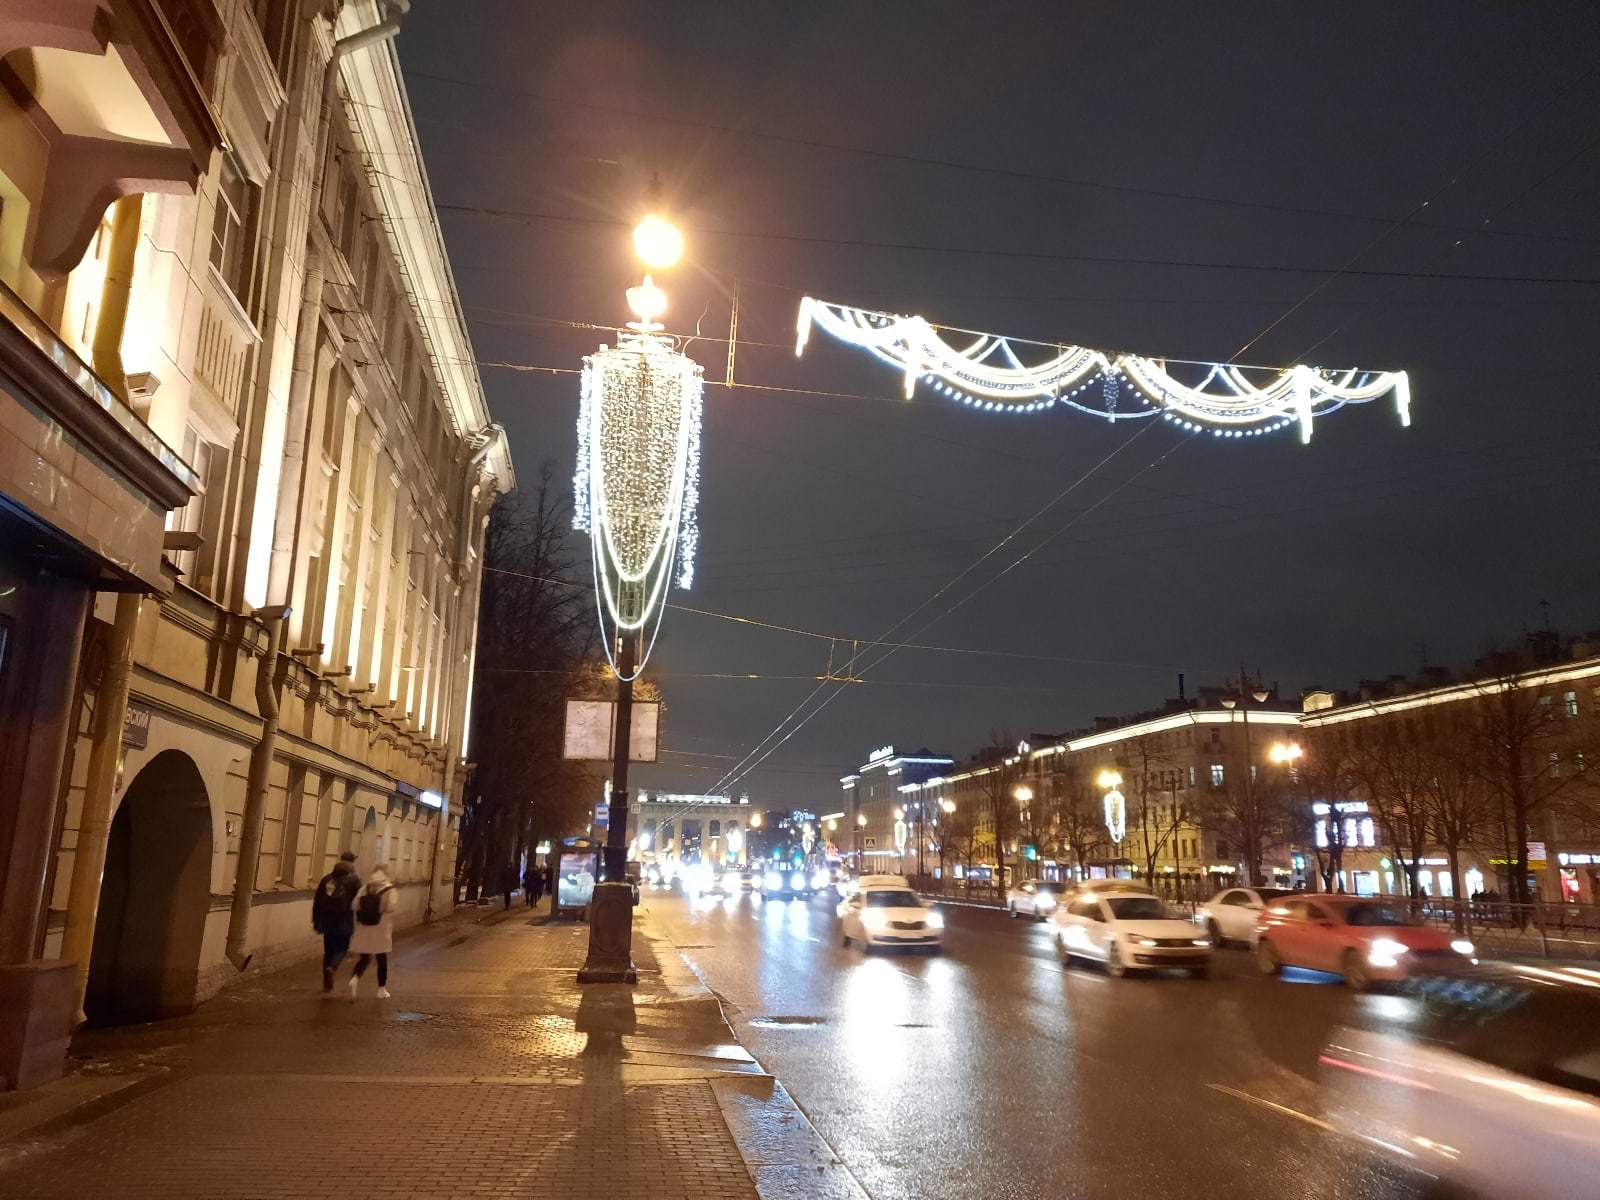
column 1261, row 135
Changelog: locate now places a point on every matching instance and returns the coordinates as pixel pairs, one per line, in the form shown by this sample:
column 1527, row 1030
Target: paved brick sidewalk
column 490, row 1073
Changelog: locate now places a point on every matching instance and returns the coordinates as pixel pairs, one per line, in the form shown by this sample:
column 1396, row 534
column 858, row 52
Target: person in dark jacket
column 331, row 914
column 530, row 884
column 509, row 879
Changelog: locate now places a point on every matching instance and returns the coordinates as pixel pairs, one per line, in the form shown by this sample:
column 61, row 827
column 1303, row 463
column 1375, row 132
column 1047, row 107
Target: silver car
column 1492, row 1090
column 1037, row 898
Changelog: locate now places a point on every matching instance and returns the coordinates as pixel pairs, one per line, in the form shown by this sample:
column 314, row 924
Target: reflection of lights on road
column 875, row 1002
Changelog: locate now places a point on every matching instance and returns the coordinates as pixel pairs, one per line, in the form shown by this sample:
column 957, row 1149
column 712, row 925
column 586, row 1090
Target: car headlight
column 1462, row 946
column 1138, row 939
column 772, row 881
column 797, row 880
column 874, row 919
column 1385, row 952
column 1045, row 902
column 821, row 879
column 1202, row 941
column 935, row 919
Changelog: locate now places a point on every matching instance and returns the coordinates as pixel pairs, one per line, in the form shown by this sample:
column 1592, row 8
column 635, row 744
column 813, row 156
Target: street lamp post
column 1024, row 796
column 635, row 493
column 947, row 807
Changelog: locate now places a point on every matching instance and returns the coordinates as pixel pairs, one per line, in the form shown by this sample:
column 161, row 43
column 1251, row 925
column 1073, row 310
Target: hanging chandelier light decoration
column 1228, row 399
column 637, row 484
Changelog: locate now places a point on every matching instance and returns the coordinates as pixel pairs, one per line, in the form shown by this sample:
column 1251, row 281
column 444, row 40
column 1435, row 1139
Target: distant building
column 673, row 826
column 875, row 831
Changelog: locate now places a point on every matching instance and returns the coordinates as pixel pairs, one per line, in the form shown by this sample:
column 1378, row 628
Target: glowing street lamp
column 861, row 820
column 1108, row 779
column 1285, row 754
column 947, row 806
column 755, row 820
column 657, row 242
column 1023, row 793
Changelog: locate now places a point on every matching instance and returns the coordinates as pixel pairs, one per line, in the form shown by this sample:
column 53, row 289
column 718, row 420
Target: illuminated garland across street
column 1229, row 400
column 638, row 479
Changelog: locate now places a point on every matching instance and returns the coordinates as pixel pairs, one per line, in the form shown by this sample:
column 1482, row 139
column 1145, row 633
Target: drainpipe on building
column 285, row 527
column 112, row 319
column 94, row 823
column 256, row 787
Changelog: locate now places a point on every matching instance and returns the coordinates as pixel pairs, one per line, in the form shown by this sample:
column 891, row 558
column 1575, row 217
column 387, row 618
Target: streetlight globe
column 948, row 806
column 1260, row 695
column 861, row 819
column 899, row 813
column 1108, row 779
column 1284, row 752
column 755, row 820
column 1228, row 702
column 657, row 242
column 1023, row 793
column 647, row 301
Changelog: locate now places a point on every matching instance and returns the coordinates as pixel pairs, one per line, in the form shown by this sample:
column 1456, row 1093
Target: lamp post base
column 610, row 936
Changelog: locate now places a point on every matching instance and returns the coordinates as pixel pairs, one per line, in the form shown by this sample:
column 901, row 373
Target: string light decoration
column 637, row 485
column 1229, row 400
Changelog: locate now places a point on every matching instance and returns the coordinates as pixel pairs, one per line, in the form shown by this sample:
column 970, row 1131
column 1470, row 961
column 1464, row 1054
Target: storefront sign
column 1536, row 852
column 1578, row 860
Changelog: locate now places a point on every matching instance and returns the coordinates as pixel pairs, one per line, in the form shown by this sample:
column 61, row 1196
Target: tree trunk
column 1459, row 902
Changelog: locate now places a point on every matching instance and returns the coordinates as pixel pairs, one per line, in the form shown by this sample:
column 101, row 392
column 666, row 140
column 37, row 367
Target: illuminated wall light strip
column 988, row 374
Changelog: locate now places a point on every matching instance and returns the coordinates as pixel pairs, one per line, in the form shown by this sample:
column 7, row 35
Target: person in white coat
column 374, row 933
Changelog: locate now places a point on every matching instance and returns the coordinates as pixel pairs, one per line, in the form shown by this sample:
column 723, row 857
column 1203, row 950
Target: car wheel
column 1356, row 976
column 1267, row 960
column 1061, row 951
column 1217, row 939
column 1115, row 967
column 1200, row 972
column 1012, row 909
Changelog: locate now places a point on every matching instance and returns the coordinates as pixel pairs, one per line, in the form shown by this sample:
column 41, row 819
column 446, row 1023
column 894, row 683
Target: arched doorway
column 154, row 896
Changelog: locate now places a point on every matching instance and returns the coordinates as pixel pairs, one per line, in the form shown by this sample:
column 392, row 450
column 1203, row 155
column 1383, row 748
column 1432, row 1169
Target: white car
column 1231, row 915
column 884, row 911
column 1129, row 931
column 1493, row 1088
column 1036, row 898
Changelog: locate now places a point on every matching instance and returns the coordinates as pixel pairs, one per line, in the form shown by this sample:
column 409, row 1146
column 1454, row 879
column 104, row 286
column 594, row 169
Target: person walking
column 538, row 874
column 333, row 914
column 530, row 884
column 374, row 930
column 508, row 881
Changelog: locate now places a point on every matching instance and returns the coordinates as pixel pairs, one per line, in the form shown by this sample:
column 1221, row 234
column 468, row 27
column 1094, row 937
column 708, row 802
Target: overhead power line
column 519, row 214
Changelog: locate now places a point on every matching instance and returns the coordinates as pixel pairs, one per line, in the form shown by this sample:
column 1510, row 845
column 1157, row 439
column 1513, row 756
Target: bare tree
column 1532, row 748
column 1154, row 813
column 1393, row 762
column 1079, row 818
column 998, row 789
column 536, row 646
column 1460, row 805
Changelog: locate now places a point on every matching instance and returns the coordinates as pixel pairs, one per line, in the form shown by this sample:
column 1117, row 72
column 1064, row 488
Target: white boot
column 355, row 982
column 383, row 993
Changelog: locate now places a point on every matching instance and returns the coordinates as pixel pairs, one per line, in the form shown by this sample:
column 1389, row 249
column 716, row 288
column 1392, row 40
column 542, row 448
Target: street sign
column 136, row 727
column 591, row 729
column 602, row 815
column 1536, row 852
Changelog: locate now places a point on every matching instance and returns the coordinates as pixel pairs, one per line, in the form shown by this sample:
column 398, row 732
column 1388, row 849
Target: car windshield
column 888, row 899
column 1137, row 908
column 1274, row 893
column 1055, row 889
column 1377, row 914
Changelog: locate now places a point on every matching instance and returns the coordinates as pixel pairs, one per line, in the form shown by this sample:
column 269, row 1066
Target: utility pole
column 1250, row 819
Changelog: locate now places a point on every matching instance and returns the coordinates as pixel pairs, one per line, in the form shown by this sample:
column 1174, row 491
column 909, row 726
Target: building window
column 197, row 453
column 232, row 226
column 1322, row 835
column 1191, row 777
column 1555, row 763
column 1569, row 704
column 1369, row 834
column 1217, row 774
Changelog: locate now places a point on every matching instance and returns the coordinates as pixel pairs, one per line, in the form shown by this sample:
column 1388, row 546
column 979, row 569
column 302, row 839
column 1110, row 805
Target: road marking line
column 1268, row 1104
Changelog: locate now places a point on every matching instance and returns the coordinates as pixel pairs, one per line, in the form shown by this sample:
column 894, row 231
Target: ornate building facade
column 245, row 467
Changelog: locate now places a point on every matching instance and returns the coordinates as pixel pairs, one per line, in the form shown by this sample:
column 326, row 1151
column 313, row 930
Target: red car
column 1365, row 939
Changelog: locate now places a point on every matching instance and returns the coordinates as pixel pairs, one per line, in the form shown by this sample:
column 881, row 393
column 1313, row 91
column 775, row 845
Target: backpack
column 369, row 909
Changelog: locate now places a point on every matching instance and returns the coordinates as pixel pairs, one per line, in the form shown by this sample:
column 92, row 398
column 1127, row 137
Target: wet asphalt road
column 992, row 1071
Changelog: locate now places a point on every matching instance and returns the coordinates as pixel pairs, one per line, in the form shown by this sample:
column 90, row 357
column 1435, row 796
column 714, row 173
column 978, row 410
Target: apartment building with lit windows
column 245, row 468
